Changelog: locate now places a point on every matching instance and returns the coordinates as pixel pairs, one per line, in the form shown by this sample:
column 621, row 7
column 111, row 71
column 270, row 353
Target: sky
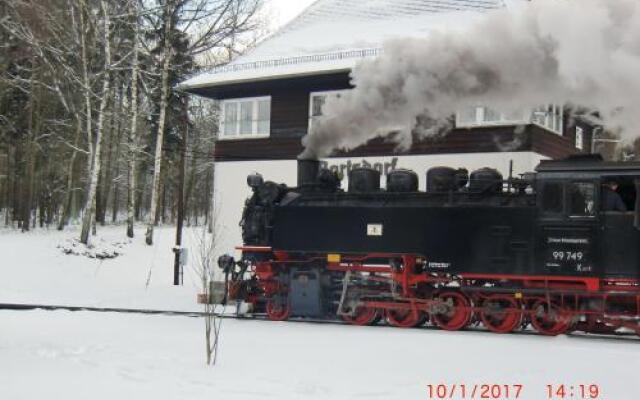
column 285, row 10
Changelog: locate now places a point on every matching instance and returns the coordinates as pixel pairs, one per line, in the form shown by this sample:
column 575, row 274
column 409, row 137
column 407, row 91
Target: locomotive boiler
column 540, row 250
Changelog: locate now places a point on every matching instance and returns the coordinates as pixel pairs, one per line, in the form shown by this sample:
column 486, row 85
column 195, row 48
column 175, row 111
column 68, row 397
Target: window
column 552, row 197
column 549, row 117
column 579, row 138
column 485, row 116
column 317, row 101
column 581, row 199
column 246, row 118
column 624, row 190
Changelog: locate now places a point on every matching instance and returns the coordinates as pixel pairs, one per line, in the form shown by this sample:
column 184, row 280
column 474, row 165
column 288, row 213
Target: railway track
column 626, row 336
column 50, row 307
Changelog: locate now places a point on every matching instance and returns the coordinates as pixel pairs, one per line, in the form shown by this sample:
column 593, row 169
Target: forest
column 93, row 130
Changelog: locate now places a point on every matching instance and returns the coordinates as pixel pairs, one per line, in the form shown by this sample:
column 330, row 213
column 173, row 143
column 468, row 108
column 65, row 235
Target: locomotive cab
column 588, row 218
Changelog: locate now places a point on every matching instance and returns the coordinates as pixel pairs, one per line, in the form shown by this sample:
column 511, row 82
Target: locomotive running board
column 255, row 249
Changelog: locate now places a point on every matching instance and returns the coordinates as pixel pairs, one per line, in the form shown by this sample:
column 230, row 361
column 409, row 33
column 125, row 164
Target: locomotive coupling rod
column 345, row 287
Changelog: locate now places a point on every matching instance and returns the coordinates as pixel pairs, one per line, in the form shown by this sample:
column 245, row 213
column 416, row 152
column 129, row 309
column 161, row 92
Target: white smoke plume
column 580, row 52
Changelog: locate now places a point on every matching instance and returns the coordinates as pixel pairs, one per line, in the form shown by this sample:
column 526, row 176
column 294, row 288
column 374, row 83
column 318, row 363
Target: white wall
column 231, row 189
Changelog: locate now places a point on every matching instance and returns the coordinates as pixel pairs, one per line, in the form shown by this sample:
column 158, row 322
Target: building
column 270, row 96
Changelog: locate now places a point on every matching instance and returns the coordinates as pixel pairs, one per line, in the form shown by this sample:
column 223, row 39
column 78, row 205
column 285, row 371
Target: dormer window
column 548, row 117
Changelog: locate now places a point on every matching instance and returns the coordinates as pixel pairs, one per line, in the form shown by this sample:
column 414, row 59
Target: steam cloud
column 580, row 52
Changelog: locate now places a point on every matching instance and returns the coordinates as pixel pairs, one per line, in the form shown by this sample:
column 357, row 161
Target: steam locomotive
column 538, row 250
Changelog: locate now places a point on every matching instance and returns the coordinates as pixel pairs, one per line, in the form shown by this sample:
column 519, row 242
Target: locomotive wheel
column 405, row 318
column 278, row 310
column 458, row 315
column 378, row 318
column 500, row 313
column 549, row 318
column 363, row 316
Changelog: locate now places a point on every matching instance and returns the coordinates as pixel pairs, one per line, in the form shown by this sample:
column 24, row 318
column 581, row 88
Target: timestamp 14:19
column 564, row 391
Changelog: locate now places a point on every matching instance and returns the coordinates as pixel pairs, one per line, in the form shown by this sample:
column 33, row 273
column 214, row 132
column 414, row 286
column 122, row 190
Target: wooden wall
column 290, row 121
column 477, row 140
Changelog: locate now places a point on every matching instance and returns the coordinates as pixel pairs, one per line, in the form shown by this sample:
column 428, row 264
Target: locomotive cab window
column 618, row 194
column 552, row 194
column 581, row 199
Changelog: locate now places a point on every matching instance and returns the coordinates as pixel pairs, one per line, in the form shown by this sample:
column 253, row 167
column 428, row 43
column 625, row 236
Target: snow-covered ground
column 86, row 355
column 33, row 270
column 83, row 355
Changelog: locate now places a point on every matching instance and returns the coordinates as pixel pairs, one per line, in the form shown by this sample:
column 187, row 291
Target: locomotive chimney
column 307, row 171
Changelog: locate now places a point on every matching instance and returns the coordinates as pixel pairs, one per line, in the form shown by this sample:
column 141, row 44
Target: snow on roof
column 333, row 35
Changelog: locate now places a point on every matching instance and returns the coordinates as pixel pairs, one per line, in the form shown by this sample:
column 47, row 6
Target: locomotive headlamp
column 255, row 181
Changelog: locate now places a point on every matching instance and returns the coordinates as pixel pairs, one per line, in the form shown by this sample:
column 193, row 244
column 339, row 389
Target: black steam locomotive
column 543, row 249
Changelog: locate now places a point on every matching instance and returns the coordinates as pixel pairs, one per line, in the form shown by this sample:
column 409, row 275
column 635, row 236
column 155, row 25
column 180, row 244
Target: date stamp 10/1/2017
column 480, row 391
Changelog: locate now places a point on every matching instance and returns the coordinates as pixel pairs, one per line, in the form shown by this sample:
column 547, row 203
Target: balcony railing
column 257, row 65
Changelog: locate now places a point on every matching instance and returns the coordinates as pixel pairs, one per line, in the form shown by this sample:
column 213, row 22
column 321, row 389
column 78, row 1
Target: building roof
column 333, row 35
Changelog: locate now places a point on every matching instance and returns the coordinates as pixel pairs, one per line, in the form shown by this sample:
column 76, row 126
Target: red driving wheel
column 362, row 316
column 501, row 313
column 458, row 313
column 548, row 318
column 278, row 309
column 405, row 318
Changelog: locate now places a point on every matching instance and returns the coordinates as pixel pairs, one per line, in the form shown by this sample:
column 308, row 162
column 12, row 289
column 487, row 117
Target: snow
column 338, row 26
column 82, row 355
column 270, row 72
column 35, row 271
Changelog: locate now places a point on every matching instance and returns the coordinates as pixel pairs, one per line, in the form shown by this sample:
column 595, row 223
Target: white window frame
column 480, row 121
column 553, row 120
column 254, row 120
column 579, row 138
column 313, row 95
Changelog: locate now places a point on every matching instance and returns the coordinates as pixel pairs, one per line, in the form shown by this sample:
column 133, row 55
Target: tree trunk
column 9, row 184
column 99, row 190
column 27, row 196
column 155, row 186
column 66, row 203
column 87, row 93
column 190, row 205
column 163, row 209
column 90, row 204
column 133, row 139
column 116, row 187
column 16, row 215
column 212, row 199
column 140, row 194
column 107, row 178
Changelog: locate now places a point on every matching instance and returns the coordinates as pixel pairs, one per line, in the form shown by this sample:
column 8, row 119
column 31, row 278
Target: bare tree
column 133, row 131
column 209, row 25
column 155, row 186
column 78, row 84
column 212, row 292
column 90, row 204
